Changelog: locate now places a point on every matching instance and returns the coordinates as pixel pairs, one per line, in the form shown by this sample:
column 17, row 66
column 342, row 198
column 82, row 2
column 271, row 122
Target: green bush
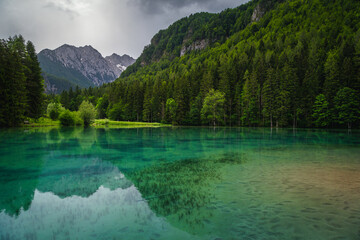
column 67, row 118
column 77, row 118
column 54, row 110
column 87, row 112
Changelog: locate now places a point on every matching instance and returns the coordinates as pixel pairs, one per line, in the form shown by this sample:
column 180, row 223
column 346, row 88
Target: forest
column 21, row 84
column 297, row 66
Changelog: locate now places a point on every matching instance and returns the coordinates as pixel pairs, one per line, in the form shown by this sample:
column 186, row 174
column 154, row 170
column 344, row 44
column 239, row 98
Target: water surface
column 179, row 183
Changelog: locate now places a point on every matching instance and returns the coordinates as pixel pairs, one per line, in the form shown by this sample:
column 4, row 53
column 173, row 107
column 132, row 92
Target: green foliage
column 332, row 71
column 116, row 112
column 195, row 112
column 250, row 99
column 13, row 102
column 34, row 83
column 101, row 106
column 21, row 84
column 54, row 110
column 99, row 123
column 213, row 107
column 87, row 112
column 78, row 121
column 347, row 106
column 67, row 118
column 171, row 110
column 270, row 71
column 269, row 93
column 321, row 113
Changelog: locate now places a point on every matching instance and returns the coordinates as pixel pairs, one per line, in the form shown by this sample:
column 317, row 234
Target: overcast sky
column 120, row 26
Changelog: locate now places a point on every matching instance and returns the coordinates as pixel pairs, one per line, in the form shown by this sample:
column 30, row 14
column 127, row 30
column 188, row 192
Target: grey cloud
column 52, row 5
column 120, row 26
column 163, row 6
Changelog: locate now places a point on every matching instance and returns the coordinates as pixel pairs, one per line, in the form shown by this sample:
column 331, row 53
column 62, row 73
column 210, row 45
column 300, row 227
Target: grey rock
column 257, row 14
column 197, row 45
column 84, row 65
column 121, row 62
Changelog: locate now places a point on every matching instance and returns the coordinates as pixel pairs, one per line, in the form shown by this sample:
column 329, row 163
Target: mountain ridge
column 70, row 66
column 290, row 63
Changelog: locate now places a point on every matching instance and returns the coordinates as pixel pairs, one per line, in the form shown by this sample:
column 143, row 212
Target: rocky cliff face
column 82, row 66
column 197, row 45
column 258, row 13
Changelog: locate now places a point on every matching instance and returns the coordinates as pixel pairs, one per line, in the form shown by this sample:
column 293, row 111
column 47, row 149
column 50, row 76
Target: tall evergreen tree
column 250, row 99
column 347, row 106
column 269, row 93
column 34, row 83
column 12, row 84
column 332, row 77
column 321, row 114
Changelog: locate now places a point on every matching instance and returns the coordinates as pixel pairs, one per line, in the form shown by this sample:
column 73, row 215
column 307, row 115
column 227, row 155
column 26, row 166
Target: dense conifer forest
column 21, row 84
column 293, row 63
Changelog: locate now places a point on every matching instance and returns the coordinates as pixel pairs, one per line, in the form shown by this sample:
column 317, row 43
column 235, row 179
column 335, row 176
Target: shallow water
column 179, row 183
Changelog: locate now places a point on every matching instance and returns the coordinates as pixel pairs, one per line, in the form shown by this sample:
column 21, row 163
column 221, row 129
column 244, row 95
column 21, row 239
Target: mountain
column 70, row 66
column 121, row 62
column 291, row 63
column 200, row 31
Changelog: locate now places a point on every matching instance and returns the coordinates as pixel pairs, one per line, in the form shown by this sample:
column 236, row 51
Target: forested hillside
column 21, row 84
column 292, row 63
column 199, row 31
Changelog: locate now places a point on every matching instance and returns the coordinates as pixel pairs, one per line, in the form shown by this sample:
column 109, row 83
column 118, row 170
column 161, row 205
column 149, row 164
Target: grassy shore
column 42, row 122
column 100, row 123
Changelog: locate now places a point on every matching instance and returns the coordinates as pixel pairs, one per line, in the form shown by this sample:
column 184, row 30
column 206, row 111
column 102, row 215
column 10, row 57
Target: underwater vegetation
column 181, row 189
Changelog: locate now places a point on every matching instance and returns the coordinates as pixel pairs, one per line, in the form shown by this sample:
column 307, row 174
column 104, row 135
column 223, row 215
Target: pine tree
column 332, row 75
column 250, row 99
column 147, row 108
column 12, row 85
column 347, row 106
column 321, row 114
column 34, row 84
column 269, row 92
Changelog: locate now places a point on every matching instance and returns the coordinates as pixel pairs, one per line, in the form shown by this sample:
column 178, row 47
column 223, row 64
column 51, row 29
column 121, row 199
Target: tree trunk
column 162, row 111
column 294, row 119
column 230, row 111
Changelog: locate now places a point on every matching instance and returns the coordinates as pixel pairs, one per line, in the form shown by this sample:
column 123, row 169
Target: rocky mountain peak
column 83, row 64
column 121, row 62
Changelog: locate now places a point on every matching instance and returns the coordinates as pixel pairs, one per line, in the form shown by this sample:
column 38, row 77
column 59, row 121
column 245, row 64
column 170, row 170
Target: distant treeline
column 299, row 66
column 21, row 85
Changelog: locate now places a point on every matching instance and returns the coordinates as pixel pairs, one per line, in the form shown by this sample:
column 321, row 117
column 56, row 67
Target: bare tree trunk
column 162, row 111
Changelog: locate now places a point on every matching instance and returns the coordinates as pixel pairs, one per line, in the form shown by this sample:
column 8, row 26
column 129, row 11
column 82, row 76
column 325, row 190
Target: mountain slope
column 199, row 31
column 291, row 64
column 83, row 67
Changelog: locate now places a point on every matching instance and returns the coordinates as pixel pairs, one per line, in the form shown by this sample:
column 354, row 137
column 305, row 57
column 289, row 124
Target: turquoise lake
column 179, row 183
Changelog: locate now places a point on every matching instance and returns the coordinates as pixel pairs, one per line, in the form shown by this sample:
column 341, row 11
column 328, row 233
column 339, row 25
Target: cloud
column 120, row 26
column 163, row 6
column 74, row 7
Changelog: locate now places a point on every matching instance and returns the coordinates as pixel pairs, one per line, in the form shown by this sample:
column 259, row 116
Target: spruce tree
column 34, row 84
